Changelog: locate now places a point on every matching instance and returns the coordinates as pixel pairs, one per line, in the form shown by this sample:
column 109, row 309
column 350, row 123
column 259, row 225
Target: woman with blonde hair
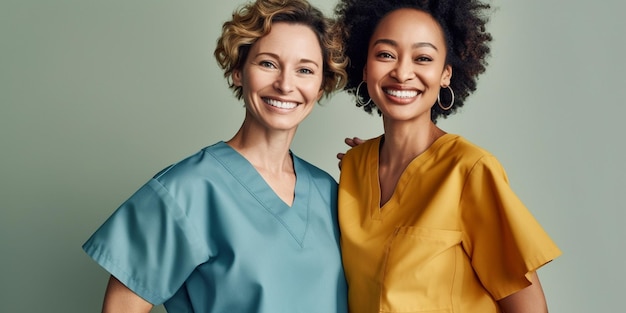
column 243, row 225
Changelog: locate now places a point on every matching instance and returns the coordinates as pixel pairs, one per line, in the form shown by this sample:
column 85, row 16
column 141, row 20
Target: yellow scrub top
column 453, row 237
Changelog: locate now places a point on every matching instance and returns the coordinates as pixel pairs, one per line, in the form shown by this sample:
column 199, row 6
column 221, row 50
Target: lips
column 405, row 94
column 280, row 104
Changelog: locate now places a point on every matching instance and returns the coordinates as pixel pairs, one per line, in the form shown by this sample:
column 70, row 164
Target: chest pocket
column 419, row 270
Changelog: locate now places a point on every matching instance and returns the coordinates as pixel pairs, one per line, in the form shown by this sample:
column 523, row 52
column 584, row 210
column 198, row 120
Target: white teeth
column 401, row 93
column 280, row 104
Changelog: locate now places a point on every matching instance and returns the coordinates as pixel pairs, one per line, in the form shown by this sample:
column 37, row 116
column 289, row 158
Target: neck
column 267, row 150
column 403, row 142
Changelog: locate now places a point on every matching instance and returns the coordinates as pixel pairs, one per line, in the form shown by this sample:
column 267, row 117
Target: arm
column 527, row 300
column 119, row 299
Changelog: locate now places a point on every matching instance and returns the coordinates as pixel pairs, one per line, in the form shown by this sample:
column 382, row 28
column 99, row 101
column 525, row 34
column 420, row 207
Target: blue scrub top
column 209, row 235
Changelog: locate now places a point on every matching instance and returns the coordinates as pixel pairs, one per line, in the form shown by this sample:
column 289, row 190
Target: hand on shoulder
column 351, row 142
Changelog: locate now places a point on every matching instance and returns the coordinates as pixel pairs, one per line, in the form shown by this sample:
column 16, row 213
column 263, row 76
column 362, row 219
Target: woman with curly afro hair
column 242, row 225
column 428, row 220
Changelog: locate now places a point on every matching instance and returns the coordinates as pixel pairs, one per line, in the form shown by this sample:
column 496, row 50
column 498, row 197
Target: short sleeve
column 148, row 244
column 502, row 238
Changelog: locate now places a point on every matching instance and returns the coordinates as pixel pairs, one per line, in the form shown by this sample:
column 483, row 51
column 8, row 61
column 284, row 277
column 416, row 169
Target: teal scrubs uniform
column 209, row 235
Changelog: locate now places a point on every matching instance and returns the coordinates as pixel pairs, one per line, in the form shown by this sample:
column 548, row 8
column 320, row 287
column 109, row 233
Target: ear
column 364, row 73
column 319, row 95
column 446, row 75
column 237, row 78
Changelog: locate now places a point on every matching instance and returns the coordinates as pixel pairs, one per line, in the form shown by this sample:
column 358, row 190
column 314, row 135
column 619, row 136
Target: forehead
column 409, row 25
column 290, row 39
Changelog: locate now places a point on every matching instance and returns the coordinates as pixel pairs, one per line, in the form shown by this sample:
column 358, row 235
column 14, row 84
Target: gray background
column 96, row 96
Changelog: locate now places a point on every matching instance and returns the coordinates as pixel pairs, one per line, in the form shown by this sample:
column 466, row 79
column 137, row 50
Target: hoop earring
column 451, row 102
column 359, row 101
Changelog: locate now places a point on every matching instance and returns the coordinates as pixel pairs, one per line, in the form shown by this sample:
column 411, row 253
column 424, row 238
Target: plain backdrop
column 97, row 96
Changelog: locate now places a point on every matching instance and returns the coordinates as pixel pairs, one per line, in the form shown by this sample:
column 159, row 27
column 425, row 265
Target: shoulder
column 319, row 184
column 366, row 146
column 475, row 163
column 199, row 165
column 316, row 173
column 363, row 150
column 457, row 144
column 465, row 152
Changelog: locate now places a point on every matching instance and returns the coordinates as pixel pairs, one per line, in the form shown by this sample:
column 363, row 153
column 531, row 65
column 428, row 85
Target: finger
column 357, row 141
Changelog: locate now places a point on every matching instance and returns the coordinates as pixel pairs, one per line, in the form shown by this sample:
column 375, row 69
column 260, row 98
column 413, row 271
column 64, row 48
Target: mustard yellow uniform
column 452, row 238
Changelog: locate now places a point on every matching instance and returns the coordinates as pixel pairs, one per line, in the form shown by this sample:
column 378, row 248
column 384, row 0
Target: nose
column 403, row 70
column 284, row 82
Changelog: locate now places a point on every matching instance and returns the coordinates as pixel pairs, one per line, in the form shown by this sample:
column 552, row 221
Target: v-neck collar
column 295, row 218
column 379, row 212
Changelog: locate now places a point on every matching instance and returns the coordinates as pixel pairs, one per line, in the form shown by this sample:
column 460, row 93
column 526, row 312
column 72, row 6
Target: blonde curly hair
column 254, row 20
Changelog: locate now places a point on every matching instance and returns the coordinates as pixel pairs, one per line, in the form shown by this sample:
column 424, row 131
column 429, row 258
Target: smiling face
column 405, row 66
column 281, row 77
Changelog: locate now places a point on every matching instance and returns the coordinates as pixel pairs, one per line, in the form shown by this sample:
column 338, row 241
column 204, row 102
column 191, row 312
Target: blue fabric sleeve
column 148, row 244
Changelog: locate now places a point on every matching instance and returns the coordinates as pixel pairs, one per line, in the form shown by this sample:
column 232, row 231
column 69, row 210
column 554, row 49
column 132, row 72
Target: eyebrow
column 275, row 56
column 414, row 46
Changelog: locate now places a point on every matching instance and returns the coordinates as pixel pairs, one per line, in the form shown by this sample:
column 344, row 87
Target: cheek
column 431, row 76
column 312, row 89
column 257, row 80
column 378, row 70
column 375, row 76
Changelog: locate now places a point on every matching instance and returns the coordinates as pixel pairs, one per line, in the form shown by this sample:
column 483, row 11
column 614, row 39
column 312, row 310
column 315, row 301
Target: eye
column 307, row 71
column 384, row 55
column 267, row 64
column 423, row 58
